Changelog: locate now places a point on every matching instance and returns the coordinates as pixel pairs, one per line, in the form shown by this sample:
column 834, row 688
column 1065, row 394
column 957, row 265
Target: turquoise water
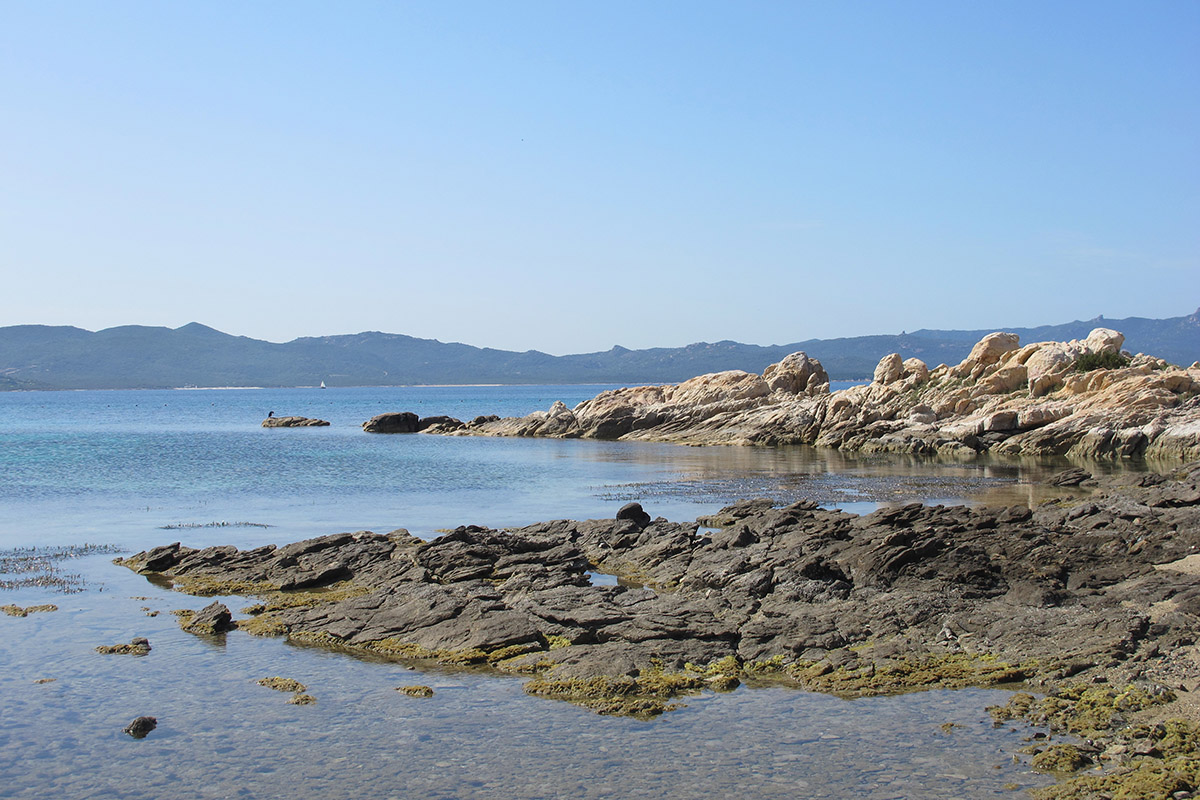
column 121, row 468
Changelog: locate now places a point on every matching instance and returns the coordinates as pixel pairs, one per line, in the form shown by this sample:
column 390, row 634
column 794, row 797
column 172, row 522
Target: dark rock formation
column 393, row 422
column 1070, row 477
column 1103, row 587
column 293, row 422
column 141, row 726
column 442, row 423
column 635, row 513
column 213, row 618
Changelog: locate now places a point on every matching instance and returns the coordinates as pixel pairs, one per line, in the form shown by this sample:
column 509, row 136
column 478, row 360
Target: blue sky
column 570, row 176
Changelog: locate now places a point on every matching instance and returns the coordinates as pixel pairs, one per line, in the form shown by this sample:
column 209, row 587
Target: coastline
column 1078, row 599
column 1083, row 399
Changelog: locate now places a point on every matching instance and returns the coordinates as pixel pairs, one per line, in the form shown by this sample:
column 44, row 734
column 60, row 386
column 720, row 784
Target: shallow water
column 220, row 735
column 116, row 468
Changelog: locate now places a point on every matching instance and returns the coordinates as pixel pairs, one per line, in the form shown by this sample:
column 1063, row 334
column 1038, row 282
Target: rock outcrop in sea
column 294, row 422
column 1094, row 599
column 910, row 595
column 1083, row 399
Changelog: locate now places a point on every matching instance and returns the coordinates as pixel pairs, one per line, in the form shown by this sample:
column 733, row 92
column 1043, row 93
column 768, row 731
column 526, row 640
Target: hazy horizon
column 1100, row 321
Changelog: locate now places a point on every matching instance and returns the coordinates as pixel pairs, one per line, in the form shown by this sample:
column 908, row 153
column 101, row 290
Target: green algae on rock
column 1171, row 764
column 138, row 646
column 1061, row 759
column 1147, row 760
column 869, row 678
column 642, row 697
column 645, row 695
column 282, row 684
column 416, row 690
column 17, row 611
column 1081, row 709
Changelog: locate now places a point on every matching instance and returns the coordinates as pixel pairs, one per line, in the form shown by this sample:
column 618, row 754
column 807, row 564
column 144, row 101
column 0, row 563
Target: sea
column 86, row 476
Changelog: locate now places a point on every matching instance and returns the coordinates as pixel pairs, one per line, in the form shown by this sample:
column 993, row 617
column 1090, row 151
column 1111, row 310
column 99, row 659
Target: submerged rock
column 138, row 646
column 282, row 684
column 141, row 726
column 18, row 611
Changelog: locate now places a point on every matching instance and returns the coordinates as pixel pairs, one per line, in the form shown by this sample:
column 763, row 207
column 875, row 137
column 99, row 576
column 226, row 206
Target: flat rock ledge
column 1103, row 588
column 1093, row 599
column 1083, row 399
column 294, row 422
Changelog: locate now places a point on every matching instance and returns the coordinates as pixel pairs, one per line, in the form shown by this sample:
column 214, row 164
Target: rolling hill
column 140, row 357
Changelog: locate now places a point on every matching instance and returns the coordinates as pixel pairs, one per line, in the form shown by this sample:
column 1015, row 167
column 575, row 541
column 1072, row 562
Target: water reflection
column 833, row 478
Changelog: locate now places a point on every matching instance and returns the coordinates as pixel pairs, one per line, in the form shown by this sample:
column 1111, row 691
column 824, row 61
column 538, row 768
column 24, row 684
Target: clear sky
column 566, row 176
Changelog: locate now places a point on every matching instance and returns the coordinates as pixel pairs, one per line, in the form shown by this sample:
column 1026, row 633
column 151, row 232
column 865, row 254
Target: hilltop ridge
column 145, row 357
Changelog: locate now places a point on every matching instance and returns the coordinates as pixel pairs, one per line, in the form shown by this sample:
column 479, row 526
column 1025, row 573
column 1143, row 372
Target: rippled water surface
column 129, row 470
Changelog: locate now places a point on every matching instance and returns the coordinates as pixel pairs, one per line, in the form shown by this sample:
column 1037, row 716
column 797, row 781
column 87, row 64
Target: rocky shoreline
column 1099, row 591
column 1084, row 399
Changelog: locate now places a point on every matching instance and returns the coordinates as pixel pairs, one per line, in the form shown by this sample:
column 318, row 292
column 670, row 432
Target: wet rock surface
column 1083, row 399
column 141, row 726
column 393, row 422
column 214, row 618
column 19, row 611
column 1103, row 588
column 138, row 646
column 294, row 422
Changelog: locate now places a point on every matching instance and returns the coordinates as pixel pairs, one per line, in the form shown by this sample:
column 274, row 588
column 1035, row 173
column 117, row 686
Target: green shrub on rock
column 1109, row 359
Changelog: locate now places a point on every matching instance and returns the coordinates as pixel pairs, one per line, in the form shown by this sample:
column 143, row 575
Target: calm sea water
column 135, row 469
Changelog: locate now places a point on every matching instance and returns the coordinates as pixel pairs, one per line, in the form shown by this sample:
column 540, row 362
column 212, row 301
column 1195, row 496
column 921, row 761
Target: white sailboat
column 322, row 384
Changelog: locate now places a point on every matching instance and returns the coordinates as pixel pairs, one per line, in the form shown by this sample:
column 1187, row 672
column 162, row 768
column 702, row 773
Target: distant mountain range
column 139, row 357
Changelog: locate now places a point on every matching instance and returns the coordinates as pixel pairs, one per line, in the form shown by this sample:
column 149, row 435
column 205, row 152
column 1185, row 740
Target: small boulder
column 141, row 726
column 990, row 348
column 634, row 513
column 213, row 618
column 1104, row 340
column 393, row 422
column 797, row 374
column 916, row 368
column 889, row 369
